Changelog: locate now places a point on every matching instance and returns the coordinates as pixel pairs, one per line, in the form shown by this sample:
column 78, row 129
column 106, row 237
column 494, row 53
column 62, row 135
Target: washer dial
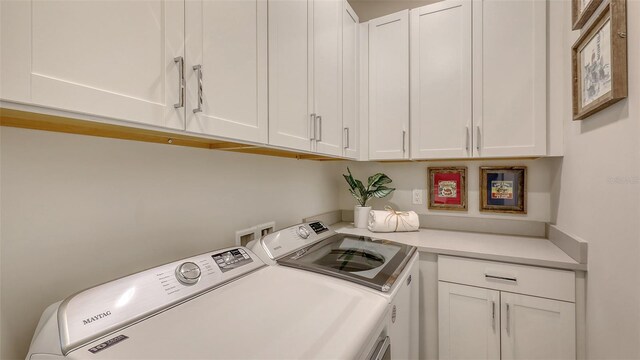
column 188, row 273
column 303, row 232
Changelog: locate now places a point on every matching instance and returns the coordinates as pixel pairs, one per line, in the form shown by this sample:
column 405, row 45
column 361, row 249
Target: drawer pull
column 505, row 278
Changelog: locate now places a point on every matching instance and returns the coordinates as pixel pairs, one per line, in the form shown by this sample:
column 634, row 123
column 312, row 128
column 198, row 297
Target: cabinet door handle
column 346, row 136
column 198, row 69
column 404, row 141
column 319, row 137
column 493, row 315
column 312, row 127
column 466, row 131
column 478, row 138
column 180, row 61
column 508, row 321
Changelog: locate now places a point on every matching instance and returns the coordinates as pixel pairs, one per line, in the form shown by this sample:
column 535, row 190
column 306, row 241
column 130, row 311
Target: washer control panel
column 88, row 315
column 318, row 227
column 231, row 259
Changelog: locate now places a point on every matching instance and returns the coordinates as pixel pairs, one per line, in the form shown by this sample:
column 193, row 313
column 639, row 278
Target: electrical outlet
column 417, row 197
column 245, row 236
column 264, row 229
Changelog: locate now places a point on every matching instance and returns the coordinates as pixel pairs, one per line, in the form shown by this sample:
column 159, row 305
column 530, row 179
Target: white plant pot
column 361, row 216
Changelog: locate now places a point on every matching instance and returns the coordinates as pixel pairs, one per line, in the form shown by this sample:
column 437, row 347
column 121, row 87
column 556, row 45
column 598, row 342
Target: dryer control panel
column 286, row 241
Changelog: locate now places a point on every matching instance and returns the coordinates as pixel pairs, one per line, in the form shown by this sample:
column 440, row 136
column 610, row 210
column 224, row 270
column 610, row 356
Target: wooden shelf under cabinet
column 36, row 121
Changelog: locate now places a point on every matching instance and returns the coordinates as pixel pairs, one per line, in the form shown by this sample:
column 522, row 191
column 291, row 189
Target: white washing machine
column 384, row 267
column 221, row 305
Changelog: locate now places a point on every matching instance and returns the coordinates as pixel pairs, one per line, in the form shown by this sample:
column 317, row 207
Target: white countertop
column 508, row 248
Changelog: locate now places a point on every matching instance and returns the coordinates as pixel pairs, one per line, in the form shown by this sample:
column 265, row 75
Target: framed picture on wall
column 503, row 189
column 581, row 11
column 447, row 188
column 599, row 59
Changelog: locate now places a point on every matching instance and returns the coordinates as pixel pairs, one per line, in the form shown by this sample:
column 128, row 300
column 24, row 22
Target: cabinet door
column 537, row 328
column 441, row 80
column 227, row 96
column 389, row 87
column 327, row 79
column 350, row 103
column 509, row 77
column 290, row 95
column 113, row 59
column 468, row 322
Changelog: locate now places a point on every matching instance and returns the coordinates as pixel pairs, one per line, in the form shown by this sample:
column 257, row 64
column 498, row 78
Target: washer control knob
column 303, row 232
column 188, row 273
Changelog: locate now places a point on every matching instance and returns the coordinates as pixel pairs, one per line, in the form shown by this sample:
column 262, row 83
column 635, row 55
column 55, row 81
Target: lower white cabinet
column 490, row 323
column 537, row 328
column 468, row 322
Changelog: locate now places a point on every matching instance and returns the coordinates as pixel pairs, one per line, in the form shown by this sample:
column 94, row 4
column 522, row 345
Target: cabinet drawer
column 521, row 279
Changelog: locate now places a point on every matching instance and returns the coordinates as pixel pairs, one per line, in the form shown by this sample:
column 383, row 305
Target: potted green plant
column 375, row 188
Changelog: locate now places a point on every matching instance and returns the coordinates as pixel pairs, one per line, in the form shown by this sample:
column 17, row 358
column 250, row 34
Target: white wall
column 77, row 211
column 599, row 200
column 409, row 176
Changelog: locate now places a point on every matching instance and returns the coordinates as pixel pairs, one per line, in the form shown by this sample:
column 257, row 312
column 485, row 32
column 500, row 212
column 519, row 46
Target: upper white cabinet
column 441, row 80
column 478, row 79
column 509, row 78
column 290, row 97
column 226, row 68
column 389, row 87
column 297, row 74
column 327, row 75
column 305, row 78
column 116, row 59
column 350, row 94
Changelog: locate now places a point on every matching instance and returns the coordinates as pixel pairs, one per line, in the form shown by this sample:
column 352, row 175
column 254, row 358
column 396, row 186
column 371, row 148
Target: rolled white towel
column 389, row 220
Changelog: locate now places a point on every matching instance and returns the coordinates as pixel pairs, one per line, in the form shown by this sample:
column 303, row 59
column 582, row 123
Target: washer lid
column 272, row 313
column 360, row 259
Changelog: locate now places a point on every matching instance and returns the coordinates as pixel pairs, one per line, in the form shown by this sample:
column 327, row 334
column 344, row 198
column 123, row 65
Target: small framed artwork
column 503, row 189
column 599, row 59
column 447, row 188
column 581, row 11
